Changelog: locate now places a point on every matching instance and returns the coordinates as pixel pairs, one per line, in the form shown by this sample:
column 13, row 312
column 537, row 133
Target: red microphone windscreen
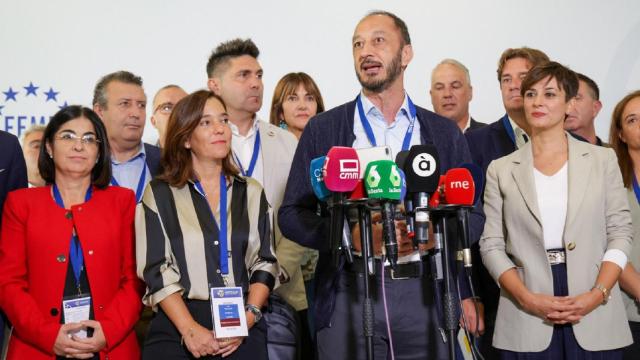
column 459, row 188
column 359, row 192
column 341, row 169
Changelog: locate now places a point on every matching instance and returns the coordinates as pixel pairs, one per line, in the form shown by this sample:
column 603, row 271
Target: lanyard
column 222, row 229
column 254, row 157
column 141, row 183
column 636, row 188
column 75, row 253
column 367, row 127
column 507, row 126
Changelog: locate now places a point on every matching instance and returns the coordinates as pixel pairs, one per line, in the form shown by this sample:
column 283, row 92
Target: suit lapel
column 523, row 175
column 267, row 139
column 579, row 175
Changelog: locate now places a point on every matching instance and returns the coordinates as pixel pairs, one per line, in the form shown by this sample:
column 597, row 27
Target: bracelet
column 605, row 293
column 189, row 332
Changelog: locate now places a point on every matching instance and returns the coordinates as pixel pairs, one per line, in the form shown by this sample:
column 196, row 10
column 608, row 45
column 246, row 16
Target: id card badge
column 227, row 309
column 77, row 309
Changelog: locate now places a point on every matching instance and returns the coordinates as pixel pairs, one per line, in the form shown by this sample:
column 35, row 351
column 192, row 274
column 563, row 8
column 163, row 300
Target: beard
column 392, row 72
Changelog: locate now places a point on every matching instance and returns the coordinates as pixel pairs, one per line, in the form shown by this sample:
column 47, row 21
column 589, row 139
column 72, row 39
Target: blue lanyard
column 636, row 188
column 141, row 183
column 367, row 127
column 222, row 229
column 507, row 126
column 75, row 253
column 254, row 157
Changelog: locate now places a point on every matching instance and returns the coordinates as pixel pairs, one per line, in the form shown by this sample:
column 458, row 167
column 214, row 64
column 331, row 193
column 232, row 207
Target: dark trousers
column 632, row 352
column 163, row 339
column 412, row 316
column 563, row 342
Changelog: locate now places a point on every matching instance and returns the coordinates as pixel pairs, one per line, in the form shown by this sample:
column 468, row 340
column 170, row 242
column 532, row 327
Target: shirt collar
column 514, row 126
column 369, row 107
column 468, row 126
column 140, row 154
column 252, row 131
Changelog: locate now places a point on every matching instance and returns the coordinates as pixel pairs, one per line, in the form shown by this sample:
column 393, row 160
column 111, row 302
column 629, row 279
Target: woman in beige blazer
column 557, row 235
column 624, row 137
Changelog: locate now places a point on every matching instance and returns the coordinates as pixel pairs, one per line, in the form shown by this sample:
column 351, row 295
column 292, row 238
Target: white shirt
column 521, row 136
column 391, row 135
column 242, row 147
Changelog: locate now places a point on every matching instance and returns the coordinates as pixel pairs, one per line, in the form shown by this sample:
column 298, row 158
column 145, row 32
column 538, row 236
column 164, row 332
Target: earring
column 283, row 125
column 50, row 156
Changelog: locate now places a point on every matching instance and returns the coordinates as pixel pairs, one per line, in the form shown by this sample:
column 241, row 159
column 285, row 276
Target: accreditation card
column 227, row 309
column 75, row 310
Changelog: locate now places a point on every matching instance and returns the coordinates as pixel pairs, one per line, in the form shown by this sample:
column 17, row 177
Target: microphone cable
column 386, row 309
column 475, row 352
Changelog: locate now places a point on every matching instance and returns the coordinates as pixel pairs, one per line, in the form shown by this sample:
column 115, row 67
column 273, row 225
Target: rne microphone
column 460, row 190
column 478, row 179
column 383, row 181
column 340, row 173
column 422, row 171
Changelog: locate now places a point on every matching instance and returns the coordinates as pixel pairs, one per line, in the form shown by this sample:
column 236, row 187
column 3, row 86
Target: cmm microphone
column 340, row 174
column 459, row 189
column 422, row 175
column 383, row 181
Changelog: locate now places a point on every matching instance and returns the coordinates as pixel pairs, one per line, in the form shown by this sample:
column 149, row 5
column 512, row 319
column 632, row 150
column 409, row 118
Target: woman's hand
column 97, row 341
column 200, row 341
column 555, row 309
column 66, row 345
column 229, row 345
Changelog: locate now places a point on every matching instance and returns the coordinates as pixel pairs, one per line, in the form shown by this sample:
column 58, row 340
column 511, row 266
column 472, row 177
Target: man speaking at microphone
column 382, row 114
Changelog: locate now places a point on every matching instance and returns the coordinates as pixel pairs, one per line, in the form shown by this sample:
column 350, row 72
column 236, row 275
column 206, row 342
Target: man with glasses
column 164, row 101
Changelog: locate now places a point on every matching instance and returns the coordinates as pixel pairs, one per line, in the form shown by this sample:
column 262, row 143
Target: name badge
column 227, row 309
column 76, row 310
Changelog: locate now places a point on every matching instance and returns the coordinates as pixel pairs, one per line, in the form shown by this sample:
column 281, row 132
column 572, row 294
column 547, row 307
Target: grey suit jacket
column 632, row 307
column 277, row 149
column 598, row 219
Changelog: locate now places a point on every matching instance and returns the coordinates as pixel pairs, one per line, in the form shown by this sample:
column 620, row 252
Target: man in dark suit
column 120, row 101
column 487, row 144
column 451, row 93
column 13, row 175
column 581, row 119
column 385, row 115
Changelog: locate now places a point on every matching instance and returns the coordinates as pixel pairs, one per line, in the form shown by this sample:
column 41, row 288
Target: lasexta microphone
column 384, row 182
column 422, row 174
column 340, row 173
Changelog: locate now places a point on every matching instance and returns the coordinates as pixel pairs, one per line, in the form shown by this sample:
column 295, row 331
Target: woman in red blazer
column 67, row 265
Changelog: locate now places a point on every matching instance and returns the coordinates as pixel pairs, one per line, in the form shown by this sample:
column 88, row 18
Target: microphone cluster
column 346, row 177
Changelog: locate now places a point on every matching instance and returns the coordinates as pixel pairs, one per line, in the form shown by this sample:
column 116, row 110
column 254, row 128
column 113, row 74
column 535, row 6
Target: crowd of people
column 111, row 248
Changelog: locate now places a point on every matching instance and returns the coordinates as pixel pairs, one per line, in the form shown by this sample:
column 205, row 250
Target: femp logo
column 23, row 106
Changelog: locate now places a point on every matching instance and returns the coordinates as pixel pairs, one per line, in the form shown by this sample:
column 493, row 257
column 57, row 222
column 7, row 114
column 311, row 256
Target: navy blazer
column 298, row 217
column 476, row 125
column 152, row 154
column 13, row 169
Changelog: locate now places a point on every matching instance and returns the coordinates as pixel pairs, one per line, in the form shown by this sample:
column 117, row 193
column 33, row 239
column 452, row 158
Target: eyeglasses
column 71, row 138
column 164, row 108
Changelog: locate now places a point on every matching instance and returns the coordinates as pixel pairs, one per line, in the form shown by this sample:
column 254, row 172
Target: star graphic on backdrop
column 51, row 95
column 1, row 109
column 31, row 89
column 63, row 105
column 10, row 95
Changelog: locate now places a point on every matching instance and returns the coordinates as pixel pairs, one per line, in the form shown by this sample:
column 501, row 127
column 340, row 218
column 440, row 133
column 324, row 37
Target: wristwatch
column 255, row 311
column 605, row 293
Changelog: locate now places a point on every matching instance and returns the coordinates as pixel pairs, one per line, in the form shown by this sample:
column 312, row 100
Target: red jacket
column 34, row 250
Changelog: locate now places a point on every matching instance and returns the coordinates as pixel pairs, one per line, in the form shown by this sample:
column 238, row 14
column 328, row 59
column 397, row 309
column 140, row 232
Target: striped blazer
column 177, row 241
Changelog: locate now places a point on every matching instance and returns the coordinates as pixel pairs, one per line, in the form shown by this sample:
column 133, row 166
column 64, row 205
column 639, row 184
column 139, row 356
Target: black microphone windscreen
column 422, row 169
column 478, row 179
column 401, row 158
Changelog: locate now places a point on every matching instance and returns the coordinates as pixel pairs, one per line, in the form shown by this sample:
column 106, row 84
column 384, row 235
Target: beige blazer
column 598, row 219
column 277, row 149
column 632, row 307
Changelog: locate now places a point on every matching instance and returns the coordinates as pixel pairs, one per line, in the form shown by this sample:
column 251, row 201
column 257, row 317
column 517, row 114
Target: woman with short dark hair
column 557, row 235
column 67, row 266
column 202, row 227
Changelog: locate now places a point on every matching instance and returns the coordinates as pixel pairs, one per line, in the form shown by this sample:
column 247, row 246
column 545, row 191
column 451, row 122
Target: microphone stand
column 448, row 299
column 368, row 316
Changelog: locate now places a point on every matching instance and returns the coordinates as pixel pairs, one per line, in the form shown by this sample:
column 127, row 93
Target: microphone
column 423, row 173
column 340, row 173
column 460, row 190
column 401, row 158
column 317, row 180
column 478, row 179
column 384, row 182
